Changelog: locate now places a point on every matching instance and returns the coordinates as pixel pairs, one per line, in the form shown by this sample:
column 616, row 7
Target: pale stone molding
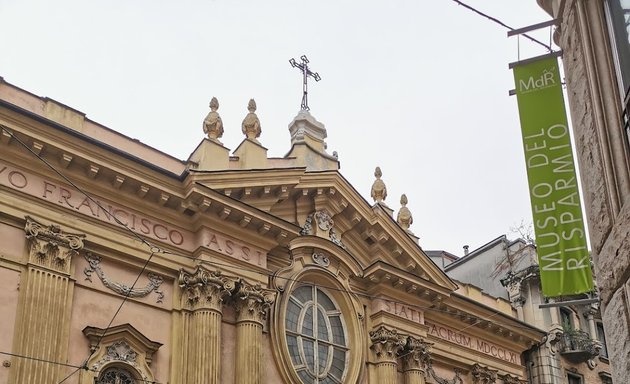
column 323, row 226
column 386, row 344
column 251, row 123
column 379, row 190
column 483, row 375
column 212, row 124
column 51, row 247
column 205, row 289
column 155, row 281
column 252, row 302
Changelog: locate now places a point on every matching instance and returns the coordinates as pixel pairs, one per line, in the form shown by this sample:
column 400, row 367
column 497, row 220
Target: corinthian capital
column 386, row 344
column 205, row 289
column 416, row 355
column 51, row 247
column 483, row 375
column 251, row 302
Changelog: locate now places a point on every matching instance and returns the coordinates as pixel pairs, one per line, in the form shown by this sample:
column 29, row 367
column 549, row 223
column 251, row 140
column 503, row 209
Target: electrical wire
column 39, row 360
column 154, row 249
column 494, row 19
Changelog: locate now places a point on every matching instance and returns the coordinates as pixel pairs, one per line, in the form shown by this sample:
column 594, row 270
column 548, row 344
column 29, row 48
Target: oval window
column 316, row 336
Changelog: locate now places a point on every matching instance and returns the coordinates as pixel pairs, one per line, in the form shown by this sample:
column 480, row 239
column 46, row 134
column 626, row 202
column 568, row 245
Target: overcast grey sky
column 418, row 87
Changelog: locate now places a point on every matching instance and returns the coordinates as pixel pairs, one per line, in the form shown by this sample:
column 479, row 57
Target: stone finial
column 404, row 218
column 251, row 124
column 379, row 190
column 212, row 124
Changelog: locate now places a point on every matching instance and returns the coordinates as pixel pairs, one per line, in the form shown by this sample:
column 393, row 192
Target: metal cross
column 306, row 72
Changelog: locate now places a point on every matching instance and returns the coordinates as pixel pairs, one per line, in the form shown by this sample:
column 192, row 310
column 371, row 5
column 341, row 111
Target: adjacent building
column 574, row 349
column 122, row 264
column 594, row 38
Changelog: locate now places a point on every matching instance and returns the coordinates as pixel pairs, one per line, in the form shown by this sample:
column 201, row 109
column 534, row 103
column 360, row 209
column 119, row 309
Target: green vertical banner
column 565, row 267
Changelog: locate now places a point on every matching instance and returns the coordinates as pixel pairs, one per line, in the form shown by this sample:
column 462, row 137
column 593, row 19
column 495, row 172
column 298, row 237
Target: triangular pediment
column 325, row 204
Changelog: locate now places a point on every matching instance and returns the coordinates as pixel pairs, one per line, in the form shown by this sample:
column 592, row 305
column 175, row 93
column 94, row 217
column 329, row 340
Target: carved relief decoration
column 416, row 354
column 386, row 343
column 457, row 379
column 155, row 281
column 120, row 351
column 483, row 375
column 51, row 247
column 204, row 288
column 321, row 259
column 323, row 226
column 212, row 124
column 252, row 302
column 508, row 379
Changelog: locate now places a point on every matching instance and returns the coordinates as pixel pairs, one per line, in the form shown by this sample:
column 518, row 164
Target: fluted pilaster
column 251, row 303
column 44, row 312
column 386, row 345
column 203, row 294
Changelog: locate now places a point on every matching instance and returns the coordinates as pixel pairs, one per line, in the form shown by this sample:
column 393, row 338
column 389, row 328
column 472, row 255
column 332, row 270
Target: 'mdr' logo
column 533, row 84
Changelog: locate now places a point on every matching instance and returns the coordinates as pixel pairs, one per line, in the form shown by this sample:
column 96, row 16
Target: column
column 204, row 294
column 590, row 316
column 251, row 303
column 415, row 360
column 386, row 345
column 43, row 317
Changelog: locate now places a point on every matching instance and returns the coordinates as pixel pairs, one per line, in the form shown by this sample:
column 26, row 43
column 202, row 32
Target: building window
column 566, row 319
column 619, row 24
column 116, row 375
column 316, row 336
column 574, row 379
column 618, row 12
column 602, row 339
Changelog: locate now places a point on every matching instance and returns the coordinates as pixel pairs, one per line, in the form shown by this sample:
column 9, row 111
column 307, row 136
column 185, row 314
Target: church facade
column 122, row 264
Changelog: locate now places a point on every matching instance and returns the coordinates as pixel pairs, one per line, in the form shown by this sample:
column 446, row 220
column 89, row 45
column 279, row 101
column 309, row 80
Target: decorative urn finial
column 251, row 124
column 379, row 190
column 404, row 218
column 212, row 124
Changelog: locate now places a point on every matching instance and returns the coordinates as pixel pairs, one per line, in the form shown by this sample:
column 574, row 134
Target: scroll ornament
column 120, row 351
column 386, row 343
column 483, row 375
column 251, row 301
column 203, row 288
column 324, row 227
column 51, row 247
column 155, row 281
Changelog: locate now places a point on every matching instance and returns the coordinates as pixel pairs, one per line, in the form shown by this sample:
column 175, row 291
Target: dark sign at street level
column 565, row 266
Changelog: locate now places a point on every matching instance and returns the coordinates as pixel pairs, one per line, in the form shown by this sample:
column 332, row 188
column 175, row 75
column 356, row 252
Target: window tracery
column 316, row 336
